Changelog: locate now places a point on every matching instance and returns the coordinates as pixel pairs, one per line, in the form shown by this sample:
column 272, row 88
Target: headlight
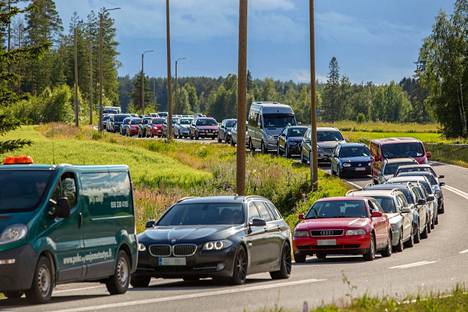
column 217, row 245
column 301, row 233
column 141, row 247
column 346, row 165
column 13, row 233
column 369, row 164
column 356, row 232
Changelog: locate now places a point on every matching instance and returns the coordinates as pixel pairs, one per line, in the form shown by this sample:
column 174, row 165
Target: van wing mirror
column 60, row 208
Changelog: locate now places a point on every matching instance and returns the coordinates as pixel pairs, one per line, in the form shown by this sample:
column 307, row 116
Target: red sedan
column 155, row 128
column 343, row 226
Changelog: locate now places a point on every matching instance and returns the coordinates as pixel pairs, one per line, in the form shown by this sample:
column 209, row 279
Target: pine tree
column 8, row 97
column 331, row 95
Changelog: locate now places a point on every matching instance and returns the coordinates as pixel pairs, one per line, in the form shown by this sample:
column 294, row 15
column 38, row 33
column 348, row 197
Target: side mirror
column 150, row 224
column 441, row 176
column 60, row 208
column 430, row 198
column 428, row 155
column 301, row 216
column 405, row 209
column 376, row 214
column 421, row 202
column 257, row 222
column 441, row 183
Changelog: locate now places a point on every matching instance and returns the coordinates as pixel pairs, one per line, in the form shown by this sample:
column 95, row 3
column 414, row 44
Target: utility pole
column 169, row 78
column 142, row 83
column 176, row 82
column 241, row 97
column 9, row 28
column 91, row 91
column 313, row 105
column 101, row 75
column 75, row 99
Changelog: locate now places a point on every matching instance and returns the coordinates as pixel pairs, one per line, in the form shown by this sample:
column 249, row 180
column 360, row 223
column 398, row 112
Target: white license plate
column 326, row 242
column 172, row 261
column 360, row 169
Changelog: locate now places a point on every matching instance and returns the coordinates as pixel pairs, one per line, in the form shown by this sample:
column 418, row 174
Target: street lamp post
column 241, row 98
column 142, row 85
column 176, row 85
column 169, row 78
column 101, row 44
column 75, row 59
column 313, row 105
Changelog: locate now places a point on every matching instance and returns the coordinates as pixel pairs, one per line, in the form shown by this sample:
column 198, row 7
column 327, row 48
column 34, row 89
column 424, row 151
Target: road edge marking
column 412, row 265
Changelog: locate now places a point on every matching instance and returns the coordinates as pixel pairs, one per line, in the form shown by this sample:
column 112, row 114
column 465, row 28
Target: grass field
column 163, row 173
column 378, row 126
column 456, row 300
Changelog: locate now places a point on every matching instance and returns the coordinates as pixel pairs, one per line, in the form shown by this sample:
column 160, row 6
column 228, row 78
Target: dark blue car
column 351, row 159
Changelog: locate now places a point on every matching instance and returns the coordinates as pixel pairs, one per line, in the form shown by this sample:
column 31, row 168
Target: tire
column 299, row 258
column 370, row 253
column 401, row 245
column 338, row 172
column 286, row 152
column 263, row 148
column 410, row 242
column 387, row 252
column 118, row 283
column 232, row 142
column 140, row 281
column 431, row 225
column 13, row 294
column 437, row 219
column 286, row 264
column 442, row 209
column 417, row 236
column 321, row 256
column 43, row 282
column 239, row 274
column 425, row 233
column 251, row 146
column 302, row 158
column 219, row 140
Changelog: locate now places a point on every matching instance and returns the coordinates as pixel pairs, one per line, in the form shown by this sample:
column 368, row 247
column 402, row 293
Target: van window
column 278, row 121
column 104, row 191
column 66, row 188
column 402, row 150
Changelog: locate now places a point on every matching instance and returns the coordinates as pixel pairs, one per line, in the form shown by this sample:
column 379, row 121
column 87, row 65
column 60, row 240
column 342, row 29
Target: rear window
column 401, row 150
column 430, row 177
column 230, row 123
column 418, row 169
column 387, row 203
column 390, row 169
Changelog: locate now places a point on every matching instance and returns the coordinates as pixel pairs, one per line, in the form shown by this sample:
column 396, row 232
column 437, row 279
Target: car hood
column 208, row 127
column 174, row 234
column 330, row 223
column 356, row 159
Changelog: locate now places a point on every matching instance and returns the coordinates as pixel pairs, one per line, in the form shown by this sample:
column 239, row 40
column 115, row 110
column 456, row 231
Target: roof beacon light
column 18, row 160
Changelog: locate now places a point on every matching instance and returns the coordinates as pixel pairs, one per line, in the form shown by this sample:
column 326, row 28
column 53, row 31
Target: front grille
column 328, row 150
column 361, row 164
column 160, row 250
column 350, row 246
column 184, row 250
column 326, row 233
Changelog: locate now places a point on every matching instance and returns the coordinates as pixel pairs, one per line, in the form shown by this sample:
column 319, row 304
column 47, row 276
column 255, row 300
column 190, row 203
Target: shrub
column 361, row 118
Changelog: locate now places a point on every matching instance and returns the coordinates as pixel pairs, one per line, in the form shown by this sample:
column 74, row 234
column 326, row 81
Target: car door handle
column 80, row 219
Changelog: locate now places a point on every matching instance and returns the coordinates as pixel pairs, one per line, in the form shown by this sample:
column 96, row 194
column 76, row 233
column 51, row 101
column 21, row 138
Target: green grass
column 378, row 126
column 456, row 300
column 165, row 172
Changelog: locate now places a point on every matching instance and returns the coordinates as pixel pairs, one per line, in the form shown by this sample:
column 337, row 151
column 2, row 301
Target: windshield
column 390, row 169
column 387, row 203
column 135, row 121
column 400, row 150
column 158, row 121
column 430, row 177
column 22, row 190
column 185, row 121
column 204, row 214
column 278, row 120
column 230, row 123
column 296, row 132
column 338, row 209
column 110, row 111
column 354, row 151
column 120, row 118
column 324, row 136
column 206, row 122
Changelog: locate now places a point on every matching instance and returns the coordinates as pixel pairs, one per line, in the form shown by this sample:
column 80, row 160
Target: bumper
column 207, row 134
column 157, row 132
column 356, row 170
column 294, row 148
column 345, row 245
column 202, row 264
column 19, row 275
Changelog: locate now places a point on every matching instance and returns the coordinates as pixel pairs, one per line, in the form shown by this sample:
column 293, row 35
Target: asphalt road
column 436, row 264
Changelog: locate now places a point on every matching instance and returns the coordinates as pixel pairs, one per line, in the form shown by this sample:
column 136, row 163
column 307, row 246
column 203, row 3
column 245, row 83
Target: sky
column 373, row 40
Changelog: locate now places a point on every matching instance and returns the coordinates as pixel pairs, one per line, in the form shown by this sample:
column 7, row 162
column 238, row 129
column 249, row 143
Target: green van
column 62, row 224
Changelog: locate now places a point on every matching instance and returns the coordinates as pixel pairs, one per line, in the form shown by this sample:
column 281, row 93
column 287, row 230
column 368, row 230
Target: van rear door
column 107, row 215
